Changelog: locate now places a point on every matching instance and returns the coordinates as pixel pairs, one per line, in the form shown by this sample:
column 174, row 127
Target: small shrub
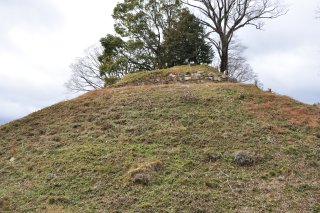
column 244, row 158
column 142, row 173
column 110, row 81
column 141, row 178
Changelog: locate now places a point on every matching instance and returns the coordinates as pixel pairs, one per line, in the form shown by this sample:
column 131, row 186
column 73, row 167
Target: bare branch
column 85, row 72
column 225, row 17
column 239, row 68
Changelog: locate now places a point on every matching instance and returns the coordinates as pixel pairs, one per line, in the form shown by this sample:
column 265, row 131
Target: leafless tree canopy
column 85, row 72
column 225, row 17
column 239, row 68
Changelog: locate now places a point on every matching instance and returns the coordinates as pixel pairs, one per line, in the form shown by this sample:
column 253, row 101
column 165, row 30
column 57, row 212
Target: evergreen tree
column 186, row 41
column 117, row 57
column 142, row 24
column 112, row 63
column 152, row 34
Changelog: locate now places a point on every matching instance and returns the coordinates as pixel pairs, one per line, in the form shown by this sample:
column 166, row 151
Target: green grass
column 79, row 155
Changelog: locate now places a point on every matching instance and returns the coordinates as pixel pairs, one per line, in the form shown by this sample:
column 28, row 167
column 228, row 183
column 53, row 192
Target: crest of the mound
column 178, row 74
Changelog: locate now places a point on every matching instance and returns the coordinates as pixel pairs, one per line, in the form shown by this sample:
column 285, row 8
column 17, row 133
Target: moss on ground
column 76, row 156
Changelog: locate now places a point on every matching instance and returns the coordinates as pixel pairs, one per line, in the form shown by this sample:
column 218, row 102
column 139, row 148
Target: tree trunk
column 224, row 58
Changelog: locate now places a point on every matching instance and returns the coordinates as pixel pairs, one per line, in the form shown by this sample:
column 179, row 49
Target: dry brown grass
column 270, row 106
column 55, row 209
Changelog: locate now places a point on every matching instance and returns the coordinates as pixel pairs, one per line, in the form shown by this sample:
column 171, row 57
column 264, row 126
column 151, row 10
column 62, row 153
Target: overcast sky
column 40, row 38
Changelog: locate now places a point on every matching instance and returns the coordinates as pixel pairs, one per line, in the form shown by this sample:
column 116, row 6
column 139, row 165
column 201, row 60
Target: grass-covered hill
column 211, row 147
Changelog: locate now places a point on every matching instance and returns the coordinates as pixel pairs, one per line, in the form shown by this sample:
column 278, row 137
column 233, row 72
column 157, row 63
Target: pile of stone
column 194, row 77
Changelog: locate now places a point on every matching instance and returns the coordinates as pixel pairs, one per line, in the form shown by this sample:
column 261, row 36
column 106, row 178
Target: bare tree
column 85, row 71
column 239, row 68
column 225, row 17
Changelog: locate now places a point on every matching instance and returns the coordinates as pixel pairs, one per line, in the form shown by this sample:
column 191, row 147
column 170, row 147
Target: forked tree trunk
column 224, row 17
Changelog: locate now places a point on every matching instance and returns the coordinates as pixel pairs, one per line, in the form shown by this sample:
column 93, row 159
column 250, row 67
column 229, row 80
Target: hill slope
column 164, row 148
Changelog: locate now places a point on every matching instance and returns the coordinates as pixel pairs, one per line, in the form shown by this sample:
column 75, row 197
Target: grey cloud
column 23, row 105
column 285, row 54
column 27, row 14
column 4, row 120
column 20, row 101
column 33, row 16
column 297, row 27
column 311, row 96
column 33, row 71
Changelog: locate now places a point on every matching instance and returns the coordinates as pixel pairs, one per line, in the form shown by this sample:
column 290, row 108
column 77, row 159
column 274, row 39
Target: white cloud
column 13, row 109
column 285, row 54
column 38, row 41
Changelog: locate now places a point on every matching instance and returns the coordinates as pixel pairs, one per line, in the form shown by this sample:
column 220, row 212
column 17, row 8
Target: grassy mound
column 165, row 148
